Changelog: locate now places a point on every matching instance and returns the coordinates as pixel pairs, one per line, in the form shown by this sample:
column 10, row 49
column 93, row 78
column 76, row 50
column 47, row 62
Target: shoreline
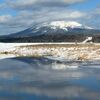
column 70, row 51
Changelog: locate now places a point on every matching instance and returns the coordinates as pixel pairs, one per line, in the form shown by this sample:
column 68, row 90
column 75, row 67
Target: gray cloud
column 93, row 18
column 36, row 4
column 97, row 10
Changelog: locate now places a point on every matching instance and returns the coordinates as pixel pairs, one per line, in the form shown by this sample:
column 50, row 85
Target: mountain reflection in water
column 47, row 79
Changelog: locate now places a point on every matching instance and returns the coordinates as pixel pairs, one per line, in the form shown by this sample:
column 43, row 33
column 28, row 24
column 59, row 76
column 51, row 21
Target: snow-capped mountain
column 54, row 27
column 54, row 31
column 63, row 25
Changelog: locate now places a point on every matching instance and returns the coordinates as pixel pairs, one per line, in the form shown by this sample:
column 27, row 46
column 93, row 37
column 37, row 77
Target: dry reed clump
column 83, row 57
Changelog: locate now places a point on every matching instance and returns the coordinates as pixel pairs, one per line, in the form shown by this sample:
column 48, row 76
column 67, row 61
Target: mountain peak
column 64, row 24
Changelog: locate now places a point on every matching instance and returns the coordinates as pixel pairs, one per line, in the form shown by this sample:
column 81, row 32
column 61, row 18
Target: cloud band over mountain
column 17, row 15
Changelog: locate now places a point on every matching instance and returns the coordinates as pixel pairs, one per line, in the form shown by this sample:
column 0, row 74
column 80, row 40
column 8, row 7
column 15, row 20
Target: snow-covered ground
column 12, row 46
column 62, row 52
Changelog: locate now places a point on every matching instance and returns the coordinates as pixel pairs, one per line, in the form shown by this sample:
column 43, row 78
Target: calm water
column 47, row 79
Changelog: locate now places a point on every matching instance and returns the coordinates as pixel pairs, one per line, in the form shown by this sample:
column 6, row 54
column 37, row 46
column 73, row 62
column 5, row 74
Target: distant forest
column 50, row 38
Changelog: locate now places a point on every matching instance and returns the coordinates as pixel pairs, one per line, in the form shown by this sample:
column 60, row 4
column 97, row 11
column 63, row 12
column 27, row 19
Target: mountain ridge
column 56, row 31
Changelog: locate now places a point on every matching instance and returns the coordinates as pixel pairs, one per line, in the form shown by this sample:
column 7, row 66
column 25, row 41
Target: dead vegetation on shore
column 69, row 51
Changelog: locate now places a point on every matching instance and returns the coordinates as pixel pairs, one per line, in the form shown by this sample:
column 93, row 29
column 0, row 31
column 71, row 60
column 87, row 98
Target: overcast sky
column 17, row 15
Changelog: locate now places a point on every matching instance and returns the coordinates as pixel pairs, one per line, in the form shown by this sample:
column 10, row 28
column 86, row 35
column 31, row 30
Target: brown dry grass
column 93, row 46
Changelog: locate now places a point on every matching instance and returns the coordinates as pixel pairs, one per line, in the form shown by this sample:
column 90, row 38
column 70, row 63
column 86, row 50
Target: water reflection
column 41, row 78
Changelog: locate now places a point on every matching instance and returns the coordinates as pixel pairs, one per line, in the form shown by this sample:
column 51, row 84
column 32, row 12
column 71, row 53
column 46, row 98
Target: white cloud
column 5, row 18
column 77, row 14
